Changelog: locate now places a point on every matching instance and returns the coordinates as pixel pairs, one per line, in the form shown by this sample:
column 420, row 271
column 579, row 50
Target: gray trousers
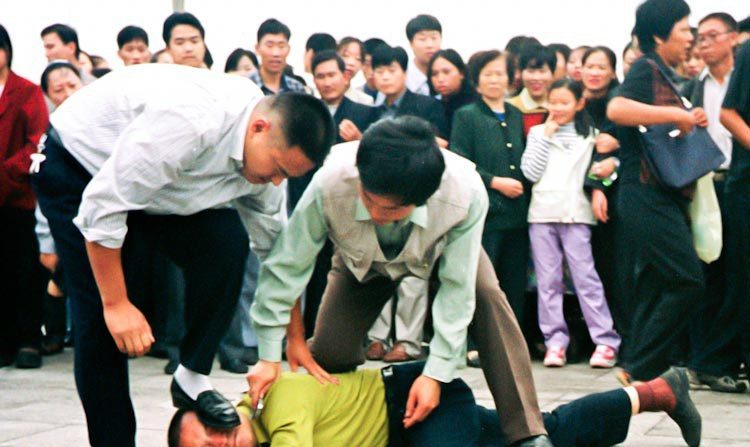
column 411, row 311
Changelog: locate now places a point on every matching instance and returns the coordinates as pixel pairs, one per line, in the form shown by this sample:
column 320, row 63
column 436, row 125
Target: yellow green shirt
column 299, row 411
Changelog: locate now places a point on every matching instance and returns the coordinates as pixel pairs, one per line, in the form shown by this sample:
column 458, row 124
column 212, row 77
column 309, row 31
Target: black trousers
column 596, row 420
column 662, row 274
column 210, row 247
column 508, row 251
column 721, row 330
column 22, row 283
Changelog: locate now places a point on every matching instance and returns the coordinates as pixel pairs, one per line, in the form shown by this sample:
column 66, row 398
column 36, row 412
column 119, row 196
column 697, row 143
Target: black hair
column 320, row 42
column 560, row 48
column 131, row 33
column 583, row 123
column 611, row 57
column 6, row 45
column 175, row 425
column 454, row 58
column 99, row 72
column 306, row 122
column 479, row 60
column 400, row 158
column 344, row 42
column 207, row 58
column 234, row 59
column 743, row 25
column 370, row 45
column 656, row 18
column 325, row 56
column 273, row 26
column 422, row 22
column 723, row 17
column 537, row 56
column 56, row 65
column 181, row 18
column 386, row 55
column 512, row 50
column 66, row 34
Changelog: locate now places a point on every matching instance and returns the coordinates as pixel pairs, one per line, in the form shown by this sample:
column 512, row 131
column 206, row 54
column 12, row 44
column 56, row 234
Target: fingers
column 420, row 413
column 411, row 404
column 322, row 375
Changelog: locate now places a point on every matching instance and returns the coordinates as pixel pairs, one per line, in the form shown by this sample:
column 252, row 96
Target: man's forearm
column 106, row 264
column 296, row 329
column 626, row 112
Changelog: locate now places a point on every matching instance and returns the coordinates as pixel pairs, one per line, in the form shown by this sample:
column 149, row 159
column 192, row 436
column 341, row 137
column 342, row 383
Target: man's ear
column 260, row 125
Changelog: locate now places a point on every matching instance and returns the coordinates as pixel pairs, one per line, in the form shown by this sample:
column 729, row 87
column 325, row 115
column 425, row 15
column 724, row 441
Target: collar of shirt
column 416, row 81
column 707, row 73
column 418, row 216
column 529, row 103
column 285, row 85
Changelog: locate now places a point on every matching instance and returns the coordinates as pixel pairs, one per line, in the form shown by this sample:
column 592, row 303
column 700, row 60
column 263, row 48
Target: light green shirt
column 299, row 411
column 287, row 270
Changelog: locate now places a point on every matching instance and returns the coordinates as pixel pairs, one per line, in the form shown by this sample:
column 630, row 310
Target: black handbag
column 678, row 160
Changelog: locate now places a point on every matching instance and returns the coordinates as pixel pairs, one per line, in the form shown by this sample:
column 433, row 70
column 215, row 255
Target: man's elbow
column 725, row 117
column 615, row 110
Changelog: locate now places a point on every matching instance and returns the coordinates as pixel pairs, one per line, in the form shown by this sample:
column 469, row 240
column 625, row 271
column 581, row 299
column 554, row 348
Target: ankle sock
column 656, row 395
column 191, row 382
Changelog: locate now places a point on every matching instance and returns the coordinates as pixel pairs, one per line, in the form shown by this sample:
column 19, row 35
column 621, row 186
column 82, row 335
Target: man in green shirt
column 365, row 408
column 395, row 205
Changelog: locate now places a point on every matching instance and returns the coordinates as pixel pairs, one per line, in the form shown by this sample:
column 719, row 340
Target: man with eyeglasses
column 714, row 361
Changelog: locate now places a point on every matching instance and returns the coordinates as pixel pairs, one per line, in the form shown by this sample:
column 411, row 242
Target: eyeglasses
column 710, row 38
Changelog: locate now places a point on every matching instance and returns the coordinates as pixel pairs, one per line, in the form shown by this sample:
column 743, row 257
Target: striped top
column 536, row 155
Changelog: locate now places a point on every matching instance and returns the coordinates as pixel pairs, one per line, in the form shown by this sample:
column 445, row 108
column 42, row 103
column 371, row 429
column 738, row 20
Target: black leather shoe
column 235, row 366
column 536, row 441
column 684, row 414
column 28, row 358
column 213, row 409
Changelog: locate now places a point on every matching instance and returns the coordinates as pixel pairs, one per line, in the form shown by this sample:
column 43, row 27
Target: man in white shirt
column 167, row 149
column 425, row 36
column 715, row 352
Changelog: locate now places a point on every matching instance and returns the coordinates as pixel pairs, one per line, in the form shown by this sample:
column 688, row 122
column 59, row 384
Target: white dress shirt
column 713, row 97
column 165, row 139
column 416, row 81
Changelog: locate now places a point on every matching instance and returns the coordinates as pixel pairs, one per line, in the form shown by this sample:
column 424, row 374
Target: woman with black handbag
column 660, row 270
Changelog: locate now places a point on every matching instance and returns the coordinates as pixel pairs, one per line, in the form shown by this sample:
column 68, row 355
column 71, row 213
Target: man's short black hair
column 181, row 18
column 55, row 65
column 422, row 22
column 743, row 25
column 175, row 425
column 560, row 48
column 5, row 44
column 400, row 158
column 66, row 34
column 722, row 17
column 656, row 18
column 537, row 56
column 320, row 42
column 273, row 26
column 234, row 59
column 386, row 55
column 325, row 56
column 306, row 122
column 372, row 43
column 131, row 33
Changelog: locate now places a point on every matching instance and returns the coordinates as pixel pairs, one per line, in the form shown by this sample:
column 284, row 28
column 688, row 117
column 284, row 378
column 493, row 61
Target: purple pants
column 549, row 242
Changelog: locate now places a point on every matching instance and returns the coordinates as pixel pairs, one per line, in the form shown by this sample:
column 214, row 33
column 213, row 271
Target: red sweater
column 23, row 120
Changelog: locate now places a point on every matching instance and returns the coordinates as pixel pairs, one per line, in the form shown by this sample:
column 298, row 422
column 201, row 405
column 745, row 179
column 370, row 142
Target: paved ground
column 41, row 408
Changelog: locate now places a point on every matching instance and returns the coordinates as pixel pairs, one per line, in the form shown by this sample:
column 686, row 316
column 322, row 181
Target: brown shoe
column 398, row 354
column 376, row 351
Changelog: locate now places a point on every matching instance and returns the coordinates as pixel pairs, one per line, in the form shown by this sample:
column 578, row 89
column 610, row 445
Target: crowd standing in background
column 571, row 244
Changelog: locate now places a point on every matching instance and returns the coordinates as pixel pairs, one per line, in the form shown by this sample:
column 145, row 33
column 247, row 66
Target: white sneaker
column 555, row 357
column 603, row 357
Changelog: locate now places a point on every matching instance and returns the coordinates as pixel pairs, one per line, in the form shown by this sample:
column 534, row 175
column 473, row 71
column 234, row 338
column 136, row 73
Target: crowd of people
column 483, row 211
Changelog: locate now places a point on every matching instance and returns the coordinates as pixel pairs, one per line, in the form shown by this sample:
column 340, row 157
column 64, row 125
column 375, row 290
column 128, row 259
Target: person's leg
column 239, row 341
column 347, row 310
column 101, row 370
column 548, row 265
column 576, row 241
column 380, row 332
column 211, row 247
column 316, row 287
column 511, row 265
column 411, row 311
column 505, row 358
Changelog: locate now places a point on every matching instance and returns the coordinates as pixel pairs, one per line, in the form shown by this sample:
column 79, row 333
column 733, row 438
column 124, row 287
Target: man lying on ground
column 367, row 407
